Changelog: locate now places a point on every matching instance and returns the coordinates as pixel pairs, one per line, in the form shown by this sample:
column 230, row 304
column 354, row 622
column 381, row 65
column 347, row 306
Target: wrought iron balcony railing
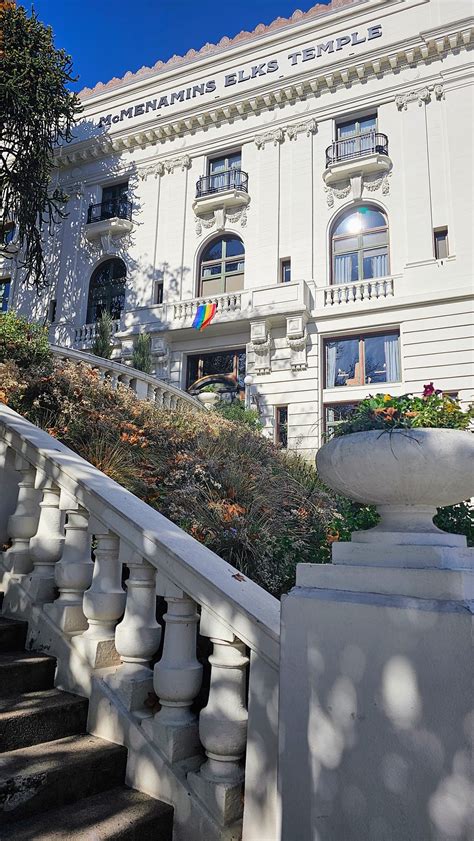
column 113, row 208
column 357, row 146
column 230, row 179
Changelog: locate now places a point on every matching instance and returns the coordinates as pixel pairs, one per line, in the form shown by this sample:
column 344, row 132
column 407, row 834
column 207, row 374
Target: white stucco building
column 314, row 179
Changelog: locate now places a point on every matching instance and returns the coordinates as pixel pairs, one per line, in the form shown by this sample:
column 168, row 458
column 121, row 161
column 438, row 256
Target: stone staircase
column 56, row 781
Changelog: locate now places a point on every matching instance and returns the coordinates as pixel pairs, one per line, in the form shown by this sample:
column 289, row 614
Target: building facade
column 314, row 180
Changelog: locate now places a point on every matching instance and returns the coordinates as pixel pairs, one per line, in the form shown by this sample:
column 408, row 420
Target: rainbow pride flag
column 204, row 315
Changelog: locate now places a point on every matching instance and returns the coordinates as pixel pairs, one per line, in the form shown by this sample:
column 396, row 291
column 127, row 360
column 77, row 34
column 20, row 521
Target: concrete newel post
column 73, row 573
column 46, row 546
column 22, row 524
column 223, row 725
column 104, row 601
column 177, row 677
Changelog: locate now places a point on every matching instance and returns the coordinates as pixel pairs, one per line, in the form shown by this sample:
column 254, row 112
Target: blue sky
column 108, row 37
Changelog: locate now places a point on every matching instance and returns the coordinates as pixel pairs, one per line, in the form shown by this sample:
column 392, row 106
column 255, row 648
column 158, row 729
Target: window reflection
column 360, row 360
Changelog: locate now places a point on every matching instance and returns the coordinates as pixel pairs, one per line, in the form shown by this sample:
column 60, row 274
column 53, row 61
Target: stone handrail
column 106, row 627
column 145, row 386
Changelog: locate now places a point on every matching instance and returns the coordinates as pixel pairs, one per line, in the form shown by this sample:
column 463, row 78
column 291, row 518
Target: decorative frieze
column 290, row 132
column 161, row 167
column 357, row 184
column 220, row 217
column 422, row 96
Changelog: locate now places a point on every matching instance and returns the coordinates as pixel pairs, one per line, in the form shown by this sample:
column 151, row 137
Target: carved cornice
column 211, row 49
column 421, row 96
column 359, row 71
column 291, row 132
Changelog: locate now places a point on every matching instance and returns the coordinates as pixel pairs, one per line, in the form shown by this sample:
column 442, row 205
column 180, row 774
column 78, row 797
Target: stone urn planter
column 208, row 398
column 406, row 474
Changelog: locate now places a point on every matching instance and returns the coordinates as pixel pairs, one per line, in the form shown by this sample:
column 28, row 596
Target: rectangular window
column 227, row 364
column 4, row 294
column 281, row 426
column 115, row 191
column 356, row 136
column 225, row 172
column 52, row 311
column 158, row 296
column 441, row 243
column 335, row 414
column 362, row 360
column 285, row 270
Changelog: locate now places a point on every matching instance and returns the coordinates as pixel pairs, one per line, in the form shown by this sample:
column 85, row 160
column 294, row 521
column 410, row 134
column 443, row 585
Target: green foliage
column 102, row 344
column 24, row 343
column 142, row 353
column 237, row 412
column 37, row 113
column 386, row 412
column 457, row 519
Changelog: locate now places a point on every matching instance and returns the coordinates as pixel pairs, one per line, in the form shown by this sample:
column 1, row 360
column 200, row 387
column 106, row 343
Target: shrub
column 102, row 344
column 24, row 343
column 142, row 353
column 237, row 412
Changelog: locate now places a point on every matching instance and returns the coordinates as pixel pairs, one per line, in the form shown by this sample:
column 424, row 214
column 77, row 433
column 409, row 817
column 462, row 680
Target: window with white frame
column 359, row 245
column 365, row 359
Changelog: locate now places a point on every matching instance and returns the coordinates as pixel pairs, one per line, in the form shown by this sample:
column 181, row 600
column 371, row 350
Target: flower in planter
column 386, row 413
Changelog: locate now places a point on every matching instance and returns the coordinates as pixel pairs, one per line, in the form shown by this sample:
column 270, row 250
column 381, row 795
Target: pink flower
column 429, row 390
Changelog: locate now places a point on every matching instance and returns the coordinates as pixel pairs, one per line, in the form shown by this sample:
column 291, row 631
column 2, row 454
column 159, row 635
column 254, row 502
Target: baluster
column 102, row 374
column 103, row 602
column 223, row 724
column 73, row 573
column 46, row 546
column 114, row 379
column 177, row 678
column 125, row 379
column 137, row 636
column 22, row 524
column 159, row 397
column 151, row 393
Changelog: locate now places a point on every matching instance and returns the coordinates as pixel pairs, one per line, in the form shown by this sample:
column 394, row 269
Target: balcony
column 359, row 154
column 109, row 218
column 363, row 291
column 223, row 190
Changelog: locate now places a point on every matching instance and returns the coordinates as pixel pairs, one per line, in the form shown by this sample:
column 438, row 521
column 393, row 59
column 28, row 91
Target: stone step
column 22, row 671
column 36, row 717
column 12, row 634
column 53, row 774
column 119, row 814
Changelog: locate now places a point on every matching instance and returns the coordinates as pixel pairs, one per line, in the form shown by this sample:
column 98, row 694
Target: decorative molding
column 298, row 352
column 160, row 167
column 261, row 345
column 308, row 128
column 276, row 136
column 291, row 132
column 220, row 218
column 357, row 184
column 422, row 96
column 337, row 193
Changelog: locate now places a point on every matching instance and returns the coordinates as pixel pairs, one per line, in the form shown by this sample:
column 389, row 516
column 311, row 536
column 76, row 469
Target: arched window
column 359, row 245
column 221, row 268
column 107, row 290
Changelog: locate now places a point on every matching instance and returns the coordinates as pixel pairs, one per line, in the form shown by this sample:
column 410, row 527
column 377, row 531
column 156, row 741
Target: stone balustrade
column 145, row 386
column 364, row 290
column 230, row 302
column 105, row 635
column 87, row 332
